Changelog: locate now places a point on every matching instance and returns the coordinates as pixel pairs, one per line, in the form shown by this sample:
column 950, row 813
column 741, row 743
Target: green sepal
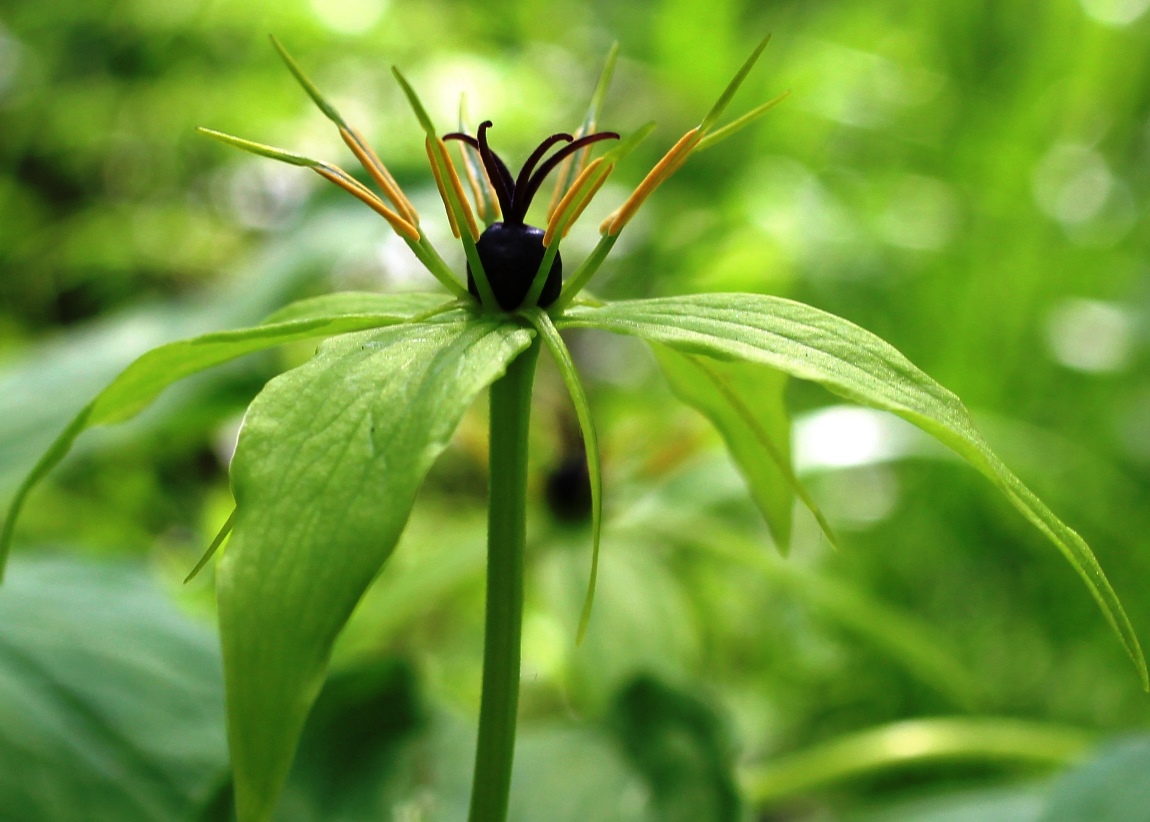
column 566, row 366
column 321, row 102
column 732, row 87
column 261, row 149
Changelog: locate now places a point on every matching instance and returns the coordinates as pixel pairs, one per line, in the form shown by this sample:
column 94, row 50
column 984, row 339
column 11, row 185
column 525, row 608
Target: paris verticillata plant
column 332, row 453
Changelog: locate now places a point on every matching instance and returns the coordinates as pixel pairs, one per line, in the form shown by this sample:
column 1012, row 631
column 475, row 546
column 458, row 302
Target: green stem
column 506, row 538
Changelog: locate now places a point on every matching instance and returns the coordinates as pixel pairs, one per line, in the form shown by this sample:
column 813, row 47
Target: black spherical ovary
column 511, row 254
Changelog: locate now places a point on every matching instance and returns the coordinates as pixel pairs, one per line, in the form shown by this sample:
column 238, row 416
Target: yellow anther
column 442, row 191
column 349, row 184
column 568, row 208
column 473, row 181
column 672, row 161
column 444, row 158
column 586, row 201
column 378, row 171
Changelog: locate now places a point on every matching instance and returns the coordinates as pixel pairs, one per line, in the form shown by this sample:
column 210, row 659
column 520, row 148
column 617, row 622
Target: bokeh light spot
column 349, row 16
column 1090, row 335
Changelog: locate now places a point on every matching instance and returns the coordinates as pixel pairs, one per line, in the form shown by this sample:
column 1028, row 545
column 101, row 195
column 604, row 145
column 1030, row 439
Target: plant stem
column 506, row 539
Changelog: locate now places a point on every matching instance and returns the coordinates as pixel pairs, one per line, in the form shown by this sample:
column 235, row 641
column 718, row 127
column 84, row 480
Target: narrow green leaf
column 880, row 749
column 327, row 108
column 260, row 149
column 741, row 123
column 142, row 381
column 566, row 366
column 416, row 104
column 595, row 109
column 225, row 529
column 567, row 172
column 813, row 345
column 745, row 403
column 325, row 473
column 583, row 274
column 486, row 295
column 628, row 143
column 729, row 92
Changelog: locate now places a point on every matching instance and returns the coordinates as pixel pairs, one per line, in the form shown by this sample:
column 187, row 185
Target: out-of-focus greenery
column 968, row 179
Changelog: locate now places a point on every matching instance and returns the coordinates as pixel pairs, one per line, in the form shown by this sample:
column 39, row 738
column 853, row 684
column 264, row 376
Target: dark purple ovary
column 511, row 255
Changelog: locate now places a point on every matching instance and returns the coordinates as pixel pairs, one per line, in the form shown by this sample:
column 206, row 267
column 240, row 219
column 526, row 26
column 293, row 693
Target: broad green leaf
column 359, row 303
column 681, row 747
column 913, row 742
column 1112, row 787
column 1010, row 803
column 744, row 401
column 111, row 700
column 328, row 463
column 814, row 345
column 143, row 381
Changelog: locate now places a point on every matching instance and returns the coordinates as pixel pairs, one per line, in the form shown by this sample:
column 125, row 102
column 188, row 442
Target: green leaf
column 729, row 92
column 416, row 104
column 143, row 381
column 911, row 742
column 745, row 403
column 359, row 303
column 1111, row 787
column 326, row 470
column 566, row 366
column 111, row 699
column 741, row 123
column 814, row 345
column 321, row 102
column 252, row 147
column 679, row 744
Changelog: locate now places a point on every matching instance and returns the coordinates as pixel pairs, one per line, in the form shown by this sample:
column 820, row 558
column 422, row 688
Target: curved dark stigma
column 515, row 195
column 558, row 157
column 496, row 169
column 520, row 198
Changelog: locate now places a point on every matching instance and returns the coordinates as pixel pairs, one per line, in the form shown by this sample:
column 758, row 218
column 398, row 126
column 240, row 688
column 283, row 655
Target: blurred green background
column 967, row 179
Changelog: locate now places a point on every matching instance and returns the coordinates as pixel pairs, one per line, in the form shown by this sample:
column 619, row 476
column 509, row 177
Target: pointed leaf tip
column 216, row 543
column 729, row 92
column 327, row 108
column 259, row 148
column 813, row 345
column 415, row 103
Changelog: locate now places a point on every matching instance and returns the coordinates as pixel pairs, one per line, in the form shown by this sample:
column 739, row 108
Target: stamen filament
column 457, row 186
column 586, row 200
column 663, row 169
column 438, row 175
column 561, row 217
column 378, row 171
column 353, row 187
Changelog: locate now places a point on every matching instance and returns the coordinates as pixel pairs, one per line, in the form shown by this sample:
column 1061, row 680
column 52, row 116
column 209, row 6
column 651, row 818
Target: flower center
column 512, row 251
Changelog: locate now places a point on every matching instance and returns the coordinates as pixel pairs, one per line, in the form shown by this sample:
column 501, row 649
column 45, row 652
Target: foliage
column 925, row 181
